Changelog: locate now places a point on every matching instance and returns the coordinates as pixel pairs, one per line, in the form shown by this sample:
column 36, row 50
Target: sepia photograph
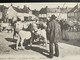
column 40, row 31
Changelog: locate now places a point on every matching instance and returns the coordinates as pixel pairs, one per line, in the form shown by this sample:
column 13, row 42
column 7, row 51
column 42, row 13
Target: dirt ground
column 68, row 49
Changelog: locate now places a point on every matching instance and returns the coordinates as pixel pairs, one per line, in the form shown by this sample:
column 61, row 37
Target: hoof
column 30, row 45
column 16, row 49
column 45, row 46
column 22, row 48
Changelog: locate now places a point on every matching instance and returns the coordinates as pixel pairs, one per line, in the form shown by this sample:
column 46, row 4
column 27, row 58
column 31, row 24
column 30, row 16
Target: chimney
column 24, row 6
column 11, row 4
column 46, row 9
column 35, row 9
column 18, row 7
column 58, row 7
column 46, row 6
column 66, row 7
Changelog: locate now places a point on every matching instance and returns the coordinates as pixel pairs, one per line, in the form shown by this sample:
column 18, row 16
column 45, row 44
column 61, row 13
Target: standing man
column 65, row 31
column 53, row 32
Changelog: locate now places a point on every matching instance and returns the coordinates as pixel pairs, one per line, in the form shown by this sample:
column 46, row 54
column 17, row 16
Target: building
column 14, row 12
column 61, row 13
column 11, row 14
column 27, row 13
column 35, row 12
column 74, row 13
column 43, row 14
column 2, row 12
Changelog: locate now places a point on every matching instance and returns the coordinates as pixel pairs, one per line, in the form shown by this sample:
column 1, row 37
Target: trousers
column 56, row 49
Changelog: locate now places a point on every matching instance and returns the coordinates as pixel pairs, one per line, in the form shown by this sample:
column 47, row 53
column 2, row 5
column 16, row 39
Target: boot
column 56, row 50
column 51, row 50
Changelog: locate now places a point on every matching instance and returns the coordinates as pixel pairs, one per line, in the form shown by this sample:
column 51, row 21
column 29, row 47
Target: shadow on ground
column 40, row 50
column 71, row 42
column 11, row 40
column 26, row 42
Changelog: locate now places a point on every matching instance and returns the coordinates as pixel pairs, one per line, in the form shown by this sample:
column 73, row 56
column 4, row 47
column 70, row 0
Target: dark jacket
column 53, row 31
column 65, row 26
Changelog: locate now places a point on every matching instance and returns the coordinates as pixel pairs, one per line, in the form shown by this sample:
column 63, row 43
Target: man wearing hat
column 51, row 35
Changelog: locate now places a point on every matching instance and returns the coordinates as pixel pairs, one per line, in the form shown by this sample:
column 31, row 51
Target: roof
column 73, row 9
column 43, row 11
column 24, row 10
column 65, row 10
column 59, row 10
column 35, row 12
column 53, row 10
column 78, row 10
column 2, row 7
column 17, row 9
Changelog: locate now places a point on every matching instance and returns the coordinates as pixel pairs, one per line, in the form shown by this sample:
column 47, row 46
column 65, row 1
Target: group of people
column 54, row 31
column 64, row 29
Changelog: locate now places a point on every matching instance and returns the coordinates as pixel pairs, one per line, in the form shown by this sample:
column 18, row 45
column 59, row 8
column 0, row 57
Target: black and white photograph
column 40, row 31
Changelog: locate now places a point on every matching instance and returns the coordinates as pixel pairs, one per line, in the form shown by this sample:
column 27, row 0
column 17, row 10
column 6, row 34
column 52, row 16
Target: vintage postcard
column 40, row 31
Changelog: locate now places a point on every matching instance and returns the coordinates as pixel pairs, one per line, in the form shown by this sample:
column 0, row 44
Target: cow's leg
column 13, row 36
column 17, row 42
column 45, row 42
column 22, row 41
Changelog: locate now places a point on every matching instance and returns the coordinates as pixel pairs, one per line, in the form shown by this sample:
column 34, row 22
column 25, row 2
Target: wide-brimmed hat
column 53, row 17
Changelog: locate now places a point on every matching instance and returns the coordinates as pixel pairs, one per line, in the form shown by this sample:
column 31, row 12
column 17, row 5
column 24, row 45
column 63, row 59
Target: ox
column 40, row 32
column 22, row 35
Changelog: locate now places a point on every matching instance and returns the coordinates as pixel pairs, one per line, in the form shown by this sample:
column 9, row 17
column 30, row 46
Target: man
column 52, row 32
column 65, row 31
column 61, row 24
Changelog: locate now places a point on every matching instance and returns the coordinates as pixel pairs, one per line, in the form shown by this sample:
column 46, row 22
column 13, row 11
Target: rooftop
column 53, row 10
column 24, row 10
column 73, row 9
column 2, row 7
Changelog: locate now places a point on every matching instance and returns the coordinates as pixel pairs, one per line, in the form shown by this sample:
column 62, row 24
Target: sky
column 38, row 6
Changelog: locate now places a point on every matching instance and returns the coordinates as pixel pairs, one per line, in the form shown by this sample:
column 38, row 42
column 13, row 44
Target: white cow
column 22, row 35
column 43, row 36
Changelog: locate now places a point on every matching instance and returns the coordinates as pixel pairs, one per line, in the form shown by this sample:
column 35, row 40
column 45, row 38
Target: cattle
column 40, row 33
column 29, row 33
column 22, row 34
